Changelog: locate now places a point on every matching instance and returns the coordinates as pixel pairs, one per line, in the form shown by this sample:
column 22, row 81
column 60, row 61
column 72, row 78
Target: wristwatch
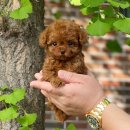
column 94, row 117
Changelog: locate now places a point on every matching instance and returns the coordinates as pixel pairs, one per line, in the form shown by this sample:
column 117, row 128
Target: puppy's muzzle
column 62, row 51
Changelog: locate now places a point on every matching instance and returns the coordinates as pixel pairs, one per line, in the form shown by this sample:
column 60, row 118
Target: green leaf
column 92, row 3
column 2, row 97
column 23, row 11
column 24, row 128
column 4, row 87
column 57, row 128
column 114, row 46
column 128, row 42
column 123, row 25
column 75, row 2
column 128, row 1
column 98, row 28
column 8, row 114
column 110, row 21
column 27, row 120
column 109, row 11
column 87, row 10
column 57, row 15
column 119, row 3
column 16, row 96
column 71, row 127
column 95, row 18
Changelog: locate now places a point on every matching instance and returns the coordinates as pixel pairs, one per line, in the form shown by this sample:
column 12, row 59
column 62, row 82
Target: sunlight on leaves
column 27, row 119
column 87, row 10
column 123, row 25
column 118, row 3
column 92, row 3
column 75, row 2
column 98, row 28
column 23, row 11
column 17, row 95
column 8, row 114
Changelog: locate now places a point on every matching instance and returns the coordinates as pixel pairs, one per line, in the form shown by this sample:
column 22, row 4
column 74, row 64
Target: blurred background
column 111, row 68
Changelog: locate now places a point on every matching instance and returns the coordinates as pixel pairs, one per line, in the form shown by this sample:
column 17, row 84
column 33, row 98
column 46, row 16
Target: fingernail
column 31, row 84
column 61, row 73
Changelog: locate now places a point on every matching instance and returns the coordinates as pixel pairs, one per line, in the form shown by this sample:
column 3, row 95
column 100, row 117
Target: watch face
column 93, row 122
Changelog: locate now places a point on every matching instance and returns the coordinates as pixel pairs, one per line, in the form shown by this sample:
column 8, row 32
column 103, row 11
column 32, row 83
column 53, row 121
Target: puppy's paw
column 57, row 82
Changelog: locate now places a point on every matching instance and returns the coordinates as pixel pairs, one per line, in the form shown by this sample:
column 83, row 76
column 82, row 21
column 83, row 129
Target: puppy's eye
column 54, row 44
column 70, row 43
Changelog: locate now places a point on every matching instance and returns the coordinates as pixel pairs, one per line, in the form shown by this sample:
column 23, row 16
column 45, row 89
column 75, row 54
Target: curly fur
column 62, row 41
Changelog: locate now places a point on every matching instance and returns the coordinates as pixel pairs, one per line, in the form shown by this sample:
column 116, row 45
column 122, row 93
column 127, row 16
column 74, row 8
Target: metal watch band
column 94, row 117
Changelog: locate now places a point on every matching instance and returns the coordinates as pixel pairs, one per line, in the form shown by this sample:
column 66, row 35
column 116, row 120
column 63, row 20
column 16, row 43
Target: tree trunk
column 20, row 58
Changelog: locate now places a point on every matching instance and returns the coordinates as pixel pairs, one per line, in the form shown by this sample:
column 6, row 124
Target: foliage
column 101, row 28
column 57, row 15
column 70, row 127
column 114, row 46
column 12, row 109
column 23, row 11
column 105, row 17
column 75, row 2
column 128, row 42
column 108, row 18
column 123, row 25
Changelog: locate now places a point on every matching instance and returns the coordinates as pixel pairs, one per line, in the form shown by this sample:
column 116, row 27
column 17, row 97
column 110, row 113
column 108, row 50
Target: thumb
column 43, row 85
column 71, row 77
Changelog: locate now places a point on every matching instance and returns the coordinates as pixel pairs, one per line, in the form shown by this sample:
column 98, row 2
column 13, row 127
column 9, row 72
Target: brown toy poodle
column 62, row 41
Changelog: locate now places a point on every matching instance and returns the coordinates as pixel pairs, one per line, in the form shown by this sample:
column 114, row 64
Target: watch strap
column 96, row 114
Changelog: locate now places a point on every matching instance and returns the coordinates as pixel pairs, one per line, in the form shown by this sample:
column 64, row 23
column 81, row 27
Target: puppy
column 62, row 41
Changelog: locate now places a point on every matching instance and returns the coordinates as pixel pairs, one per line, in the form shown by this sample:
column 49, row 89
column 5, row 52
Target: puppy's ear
column 83, row 38
column 43, row 38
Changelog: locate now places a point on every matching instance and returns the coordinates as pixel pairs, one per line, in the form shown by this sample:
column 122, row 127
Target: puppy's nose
column 62, row 51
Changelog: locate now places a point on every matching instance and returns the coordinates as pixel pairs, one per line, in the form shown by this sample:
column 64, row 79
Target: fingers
column 41, row 72
column 52, row 99
column 45, row 93
column 71, row 77
column 46, row 86
column 38, row 76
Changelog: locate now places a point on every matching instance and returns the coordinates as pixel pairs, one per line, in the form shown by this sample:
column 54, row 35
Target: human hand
column 77, row 97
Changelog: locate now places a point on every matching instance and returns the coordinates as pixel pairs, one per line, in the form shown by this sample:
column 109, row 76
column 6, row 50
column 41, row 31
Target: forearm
column 115, row 119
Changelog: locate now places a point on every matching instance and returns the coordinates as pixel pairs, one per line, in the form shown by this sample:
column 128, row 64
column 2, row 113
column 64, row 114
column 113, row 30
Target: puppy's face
column 63, row 45
column 63, row 39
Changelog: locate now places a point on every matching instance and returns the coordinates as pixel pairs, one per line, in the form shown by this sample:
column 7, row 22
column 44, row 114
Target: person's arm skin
column 80, row 94
column 115, row 119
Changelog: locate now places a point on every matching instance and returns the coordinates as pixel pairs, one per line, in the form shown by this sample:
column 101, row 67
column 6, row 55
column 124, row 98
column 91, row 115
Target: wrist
column 95, row 101
column 94, row 117
column 105, row 115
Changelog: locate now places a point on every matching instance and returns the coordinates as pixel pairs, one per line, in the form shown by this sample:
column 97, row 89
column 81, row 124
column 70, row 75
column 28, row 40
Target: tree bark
column 20, row 58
